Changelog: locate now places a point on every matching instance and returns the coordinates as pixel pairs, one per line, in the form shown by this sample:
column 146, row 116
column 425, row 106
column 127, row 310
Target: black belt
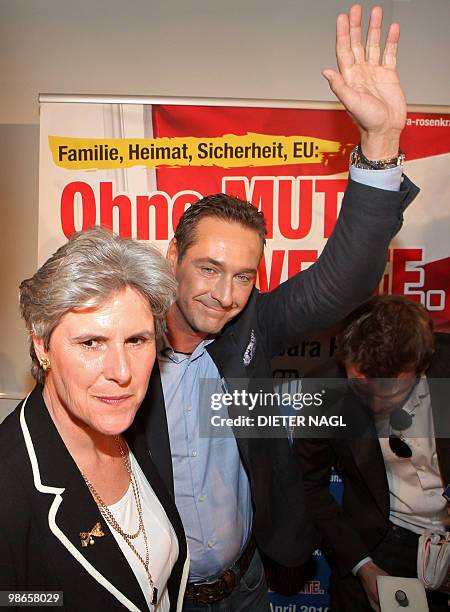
column 216, row 589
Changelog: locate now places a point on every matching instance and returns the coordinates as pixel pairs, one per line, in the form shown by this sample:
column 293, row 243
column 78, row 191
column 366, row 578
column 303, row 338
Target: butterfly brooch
column 87, row 537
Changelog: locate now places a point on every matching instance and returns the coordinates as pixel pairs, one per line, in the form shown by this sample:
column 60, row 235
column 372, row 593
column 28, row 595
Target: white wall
column 233, row 48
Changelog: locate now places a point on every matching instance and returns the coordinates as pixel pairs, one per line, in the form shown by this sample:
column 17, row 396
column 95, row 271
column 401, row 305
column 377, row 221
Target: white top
column 415, row 484
column 162, row 541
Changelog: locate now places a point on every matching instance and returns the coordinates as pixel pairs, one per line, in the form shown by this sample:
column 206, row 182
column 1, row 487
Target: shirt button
column 188, row 408
column 431, row 493
column 194, row 453
column 201, row 498
column 210, row 543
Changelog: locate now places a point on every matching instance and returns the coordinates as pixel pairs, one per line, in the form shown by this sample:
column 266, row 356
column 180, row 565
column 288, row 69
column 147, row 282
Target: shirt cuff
column 389, row 179
column 359, row 565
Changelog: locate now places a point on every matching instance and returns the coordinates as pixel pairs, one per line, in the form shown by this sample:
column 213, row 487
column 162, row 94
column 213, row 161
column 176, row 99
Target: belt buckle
column 210, row 591
column 207, row 593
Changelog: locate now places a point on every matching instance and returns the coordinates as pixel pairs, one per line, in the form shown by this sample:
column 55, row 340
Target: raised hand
column 367, row 83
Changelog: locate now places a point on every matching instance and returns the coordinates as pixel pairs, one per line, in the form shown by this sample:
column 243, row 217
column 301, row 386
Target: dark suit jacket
column 345, row 275
column 45, row 504
column 350, row 533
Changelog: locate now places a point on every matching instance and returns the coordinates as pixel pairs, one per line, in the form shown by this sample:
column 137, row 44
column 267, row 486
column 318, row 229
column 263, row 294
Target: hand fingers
column 344, row 55
column 373, row 36
column 390, row 49
column 355, row 33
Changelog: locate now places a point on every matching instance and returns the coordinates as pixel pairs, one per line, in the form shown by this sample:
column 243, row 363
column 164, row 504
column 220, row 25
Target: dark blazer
column 345, row 275
column 45, row 504
column 350, row 533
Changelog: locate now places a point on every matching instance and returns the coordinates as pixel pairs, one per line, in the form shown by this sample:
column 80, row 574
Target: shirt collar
column 166, row 352
column 420, row 391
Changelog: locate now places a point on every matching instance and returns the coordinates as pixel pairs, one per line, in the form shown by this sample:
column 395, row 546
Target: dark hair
column 386, row 336
column 220, row 206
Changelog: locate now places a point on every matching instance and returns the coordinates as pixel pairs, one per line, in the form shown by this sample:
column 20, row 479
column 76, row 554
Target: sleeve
column 345, row 275
column 359, row 565
column 316, row 459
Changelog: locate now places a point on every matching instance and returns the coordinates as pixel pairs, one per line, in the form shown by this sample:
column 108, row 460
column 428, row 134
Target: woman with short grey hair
column 84, row 272
column 85, row 510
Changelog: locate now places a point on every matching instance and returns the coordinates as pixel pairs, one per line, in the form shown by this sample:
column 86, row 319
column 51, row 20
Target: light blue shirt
column 389, row 179
column 212, row 491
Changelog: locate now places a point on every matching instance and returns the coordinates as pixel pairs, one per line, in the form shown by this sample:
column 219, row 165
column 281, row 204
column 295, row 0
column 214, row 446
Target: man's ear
column 172, row 255
column 39, row 348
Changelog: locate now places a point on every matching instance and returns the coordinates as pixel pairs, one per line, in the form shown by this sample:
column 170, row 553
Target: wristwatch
column 359, row 160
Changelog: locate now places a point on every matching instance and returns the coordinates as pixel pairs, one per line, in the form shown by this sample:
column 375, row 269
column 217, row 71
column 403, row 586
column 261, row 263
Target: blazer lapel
column 368, row 458
column 366, row 452
column 225, row 352
column 138, row 446
column 152, row 419
column 73, row 510
column 104, row 559
column 440, row 369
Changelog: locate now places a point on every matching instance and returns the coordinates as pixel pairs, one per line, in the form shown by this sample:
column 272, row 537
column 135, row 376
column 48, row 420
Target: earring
column 45, row 364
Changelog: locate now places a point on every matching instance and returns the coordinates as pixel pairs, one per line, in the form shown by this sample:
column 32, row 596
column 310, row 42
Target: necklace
column 109, row 518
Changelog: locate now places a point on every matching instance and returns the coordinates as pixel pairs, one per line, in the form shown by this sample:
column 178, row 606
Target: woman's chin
column 113, row 427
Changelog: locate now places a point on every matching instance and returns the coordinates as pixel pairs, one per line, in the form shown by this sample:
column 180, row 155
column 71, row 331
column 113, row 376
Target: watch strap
column 359, row 160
